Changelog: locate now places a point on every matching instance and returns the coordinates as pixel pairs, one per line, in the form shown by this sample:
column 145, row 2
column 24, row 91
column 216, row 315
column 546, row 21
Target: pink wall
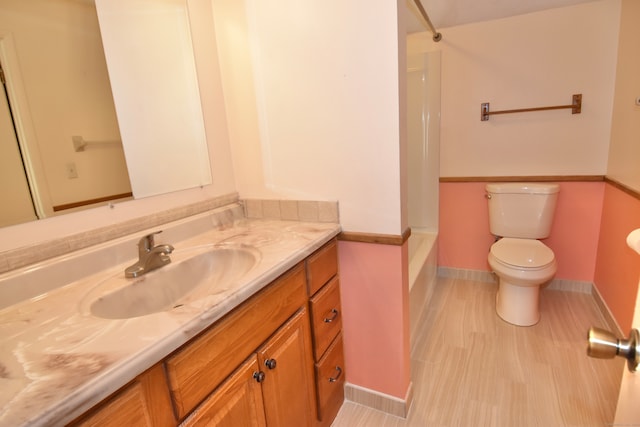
column 463, row 233
column 588, row 237
column 375, row 302
column 464, row 237
column 618, row 267
column 576, row 227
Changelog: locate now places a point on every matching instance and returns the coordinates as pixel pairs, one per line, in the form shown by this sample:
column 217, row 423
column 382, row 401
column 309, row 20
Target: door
column 237, row 403
column 15, row 197
column 288, row 387
column 628, row 410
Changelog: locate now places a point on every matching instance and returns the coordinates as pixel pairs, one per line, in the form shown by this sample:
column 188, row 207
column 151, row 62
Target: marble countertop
column 57, row 360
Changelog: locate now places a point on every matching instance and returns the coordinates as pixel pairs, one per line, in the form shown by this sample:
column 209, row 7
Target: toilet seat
column 524, row 254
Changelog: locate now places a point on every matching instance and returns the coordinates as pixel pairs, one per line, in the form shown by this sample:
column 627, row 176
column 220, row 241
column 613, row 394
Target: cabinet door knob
column 270, row 363
column 334, row 314
column 259, row 376
column 334, row 379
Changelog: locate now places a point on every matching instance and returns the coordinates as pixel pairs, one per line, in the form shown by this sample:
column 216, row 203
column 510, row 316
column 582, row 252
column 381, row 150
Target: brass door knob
column 605, row 345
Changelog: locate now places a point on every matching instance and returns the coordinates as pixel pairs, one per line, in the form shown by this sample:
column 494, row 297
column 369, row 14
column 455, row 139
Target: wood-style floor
column 470, row 368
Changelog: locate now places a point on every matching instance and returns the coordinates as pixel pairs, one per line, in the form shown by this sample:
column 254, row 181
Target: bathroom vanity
column 263, row 349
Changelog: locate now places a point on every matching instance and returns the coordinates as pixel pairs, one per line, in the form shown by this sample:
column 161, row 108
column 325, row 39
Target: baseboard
column 380, row 401
column 466, row 274
column 612, row 325
column 570, row 286
column 555, row 284
column 488, row 277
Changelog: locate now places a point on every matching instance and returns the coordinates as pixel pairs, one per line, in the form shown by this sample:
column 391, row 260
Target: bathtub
column 423, row 254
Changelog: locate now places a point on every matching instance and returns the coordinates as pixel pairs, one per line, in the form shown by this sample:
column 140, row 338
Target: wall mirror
column 66, row 141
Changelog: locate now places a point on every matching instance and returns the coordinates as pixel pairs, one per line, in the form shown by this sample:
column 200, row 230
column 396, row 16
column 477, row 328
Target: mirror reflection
column 61, row 146
column 152, row 68
column 56, row 91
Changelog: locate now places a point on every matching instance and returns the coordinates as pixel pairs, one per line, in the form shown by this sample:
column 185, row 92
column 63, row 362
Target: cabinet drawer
column 326, row 317
column 322, row 266
column 200, row 366
column 330, row 376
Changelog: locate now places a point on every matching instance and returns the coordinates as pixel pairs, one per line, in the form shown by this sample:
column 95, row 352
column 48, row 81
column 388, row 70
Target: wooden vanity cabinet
column 237, row 402
column 323, row 288
column 326, row 316
column 274, row 387
column 288, row 386
column 330, row 377
column 322, row 265
column 143, row 402
column 275, row 360
column 199, row 366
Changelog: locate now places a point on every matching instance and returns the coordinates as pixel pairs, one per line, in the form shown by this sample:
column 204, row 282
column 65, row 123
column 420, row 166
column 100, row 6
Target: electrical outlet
column 72, row 172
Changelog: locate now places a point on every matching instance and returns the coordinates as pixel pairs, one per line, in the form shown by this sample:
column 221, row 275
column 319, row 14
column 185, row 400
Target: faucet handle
column 147, row 242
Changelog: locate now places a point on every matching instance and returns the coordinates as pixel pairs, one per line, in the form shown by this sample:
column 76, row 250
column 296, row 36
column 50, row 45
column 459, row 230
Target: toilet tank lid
column 523, row 188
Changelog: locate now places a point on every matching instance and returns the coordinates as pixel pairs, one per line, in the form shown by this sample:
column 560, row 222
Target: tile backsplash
column 291, row 210
column 288, row 210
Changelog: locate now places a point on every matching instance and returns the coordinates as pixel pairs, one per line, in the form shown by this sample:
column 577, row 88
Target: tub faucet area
column 150, row 256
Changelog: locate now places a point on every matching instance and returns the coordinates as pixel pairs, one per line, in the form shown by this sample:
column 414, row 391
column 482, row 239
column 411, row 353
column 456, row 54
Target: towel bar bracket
column 575, row 106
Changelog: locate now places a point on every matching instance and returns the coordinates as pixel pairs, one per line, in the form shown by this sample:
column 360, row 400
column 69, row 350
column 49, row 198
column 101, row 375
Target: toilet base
column 518, row 305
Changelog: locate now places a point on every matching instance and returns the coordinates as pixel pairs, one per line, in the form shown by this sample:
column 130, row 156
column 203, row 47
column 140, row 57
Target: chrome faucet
column 150, row 257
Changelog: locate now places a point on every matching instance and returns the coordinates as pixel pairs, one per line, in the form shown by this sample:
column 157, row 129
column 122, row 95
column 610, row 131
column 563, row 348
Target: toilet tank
column 523, row 210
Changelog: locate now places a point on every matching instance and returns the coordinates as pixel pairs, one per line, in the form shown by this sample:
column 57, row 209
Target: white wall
column 531, row 60
column 325, row 79
column 624, row 152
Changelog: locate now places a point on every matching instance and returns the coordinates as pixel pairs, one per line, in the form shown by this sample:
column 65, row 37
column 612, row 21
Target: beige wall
column 219, row 156
column 531, row 60
column 624, row 150
column 58, row 76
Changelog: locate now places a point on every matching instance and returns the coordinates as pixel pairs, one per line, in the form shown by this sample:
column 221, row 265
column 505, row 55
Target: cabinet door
column 288, row 386
column 236, row 403
column 144, row 402
column 200, row 366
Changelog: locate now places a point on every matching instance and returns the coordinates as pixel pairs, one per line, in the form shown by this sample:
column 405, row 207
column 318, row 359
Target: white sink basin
column 209, row 270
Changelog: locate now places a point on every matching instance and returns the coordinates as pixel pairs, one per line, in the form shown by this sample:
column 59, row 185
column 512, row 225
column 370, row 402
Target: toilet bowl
column 522, row 266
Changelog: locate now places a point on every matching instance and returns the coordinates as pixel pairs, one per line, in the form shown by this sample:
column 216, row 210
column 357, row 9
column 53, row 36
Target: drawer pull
column 334, row 379
column 270, row 363
column 258, row 376
column 334, row 314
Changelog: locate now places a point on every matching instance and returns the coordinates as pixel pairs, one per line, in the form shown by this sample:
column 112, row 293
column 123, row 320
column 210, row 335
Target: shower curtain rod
column 436, row 35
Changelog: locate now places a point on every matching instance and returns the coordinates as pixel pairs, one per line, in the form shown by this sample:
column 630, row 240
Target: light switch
column 72, row 172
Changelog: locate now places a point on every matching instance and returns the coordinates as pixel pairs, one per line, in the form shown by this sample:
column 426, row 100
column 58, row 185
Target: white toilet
column 520, row 213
